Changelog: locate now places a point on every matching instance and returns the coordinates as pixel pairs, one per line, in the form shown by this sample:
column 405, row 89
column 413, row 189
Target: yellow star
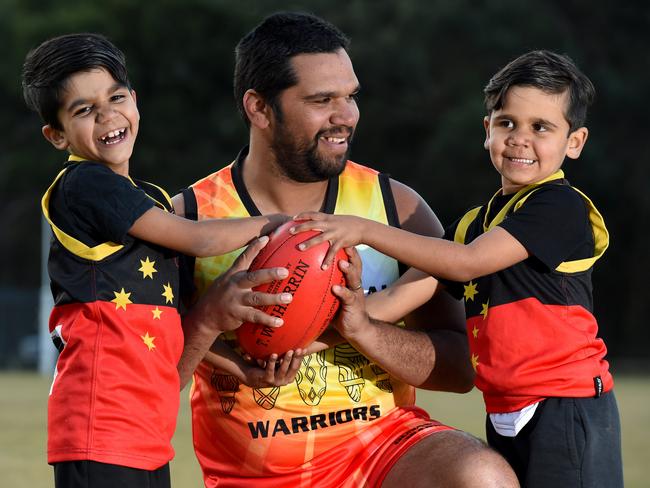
column 169, row 296
column 121, row 299
column 156, row 313
column 148, row 341
column 474, row 361
column 475, row 332
column 470, row 290
column 147, row 268
column 484, row 310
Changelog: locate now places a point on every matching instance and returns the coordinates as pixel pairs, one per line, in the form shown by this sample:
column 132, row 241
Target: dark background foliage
column 422, row 66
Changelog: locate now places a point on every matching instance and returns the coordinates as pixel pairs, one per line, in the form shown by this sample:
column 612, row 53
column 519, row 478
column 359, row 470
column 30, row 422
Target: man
column 349, row 418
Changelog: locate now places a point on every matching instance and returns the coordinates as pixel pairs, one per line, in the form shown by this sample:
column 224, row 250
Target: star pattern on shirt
column 475, row 332
column 121, row 299
column 484, row 309
column 470, row 290
column 475, row 362
column 147, row 268
column 156, row 313
column 167, row 293
column 148, row 341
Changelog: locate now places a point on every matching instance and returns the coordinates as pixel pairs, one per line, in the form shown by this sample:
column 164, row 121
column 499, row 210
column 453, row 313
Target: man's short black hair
column 549, row 72
column 262, row 57
column 48, row 67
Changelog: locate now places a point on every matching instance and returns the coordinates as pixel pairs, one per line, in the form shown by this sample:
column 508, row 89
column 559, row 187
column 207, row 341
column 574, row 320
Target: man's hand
column 352, row 321
column 274, row 372
column 227, row 303
column 231, row 300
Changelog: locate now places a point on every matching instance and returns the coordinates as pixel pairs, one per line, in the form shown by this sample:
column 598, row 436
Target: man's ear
column 56, row 137
column 486, row 125
column 257, row 110
column 577, row 140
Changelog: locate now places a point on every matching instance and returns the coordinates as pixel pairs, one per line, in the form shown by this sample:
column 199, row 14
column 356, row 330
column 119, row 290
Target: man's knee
column 451, row 459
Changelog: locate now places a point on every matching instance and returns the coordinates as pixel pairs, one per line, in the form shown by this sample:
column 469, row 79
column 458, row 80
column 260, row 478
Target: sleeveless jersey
column 338, row 395
column 533, row 334
column 114, row 397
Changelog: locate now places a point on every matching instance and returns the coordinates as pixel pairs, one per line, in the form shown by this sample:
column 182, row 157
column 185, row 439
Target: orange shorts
column 363, row 461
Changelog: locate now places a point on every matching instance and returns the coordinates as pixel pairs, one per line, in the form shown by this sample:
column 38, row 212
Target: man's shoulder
column 224, row 173
column 351, row 167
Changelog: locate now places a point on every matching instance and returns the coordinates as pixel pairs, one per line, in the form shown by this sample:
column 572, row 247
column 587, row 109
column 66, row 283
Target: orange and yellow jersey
column 339, row 397
column 114, row 398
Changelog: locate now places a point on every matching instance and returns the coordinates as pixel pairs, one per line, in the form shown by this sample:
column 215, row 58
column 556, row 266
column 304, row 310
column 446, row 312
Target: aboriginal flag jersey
column 531, row 328
column 114, row 397
column 339, row 397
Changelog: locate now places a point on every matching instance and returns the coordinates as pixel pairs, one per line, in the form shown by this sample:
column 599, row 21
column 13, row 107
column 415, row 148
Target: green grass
column 23, row 429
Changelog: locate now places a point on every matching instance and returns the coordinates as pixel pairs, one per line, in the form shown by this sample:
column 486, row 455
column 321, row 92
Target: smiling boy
column 523, row 264
column 114, row 275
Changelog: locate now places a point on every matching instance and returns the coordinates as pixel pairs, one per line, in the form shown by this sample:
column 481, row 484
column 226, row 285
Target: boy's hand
column 275, row 221
column 339, row 230
column 274, row 372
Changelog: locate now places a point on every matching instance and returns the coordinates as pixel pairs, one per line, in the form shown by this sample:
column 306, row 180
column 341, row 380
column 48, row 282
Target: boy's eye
column 539, row 128
column 506, row 124
column 82, row 111
column 118, row 97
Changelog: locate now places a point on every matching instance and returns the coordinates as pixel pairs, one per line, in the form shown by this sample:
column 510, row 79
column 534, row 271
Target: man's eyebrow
column 329, row 94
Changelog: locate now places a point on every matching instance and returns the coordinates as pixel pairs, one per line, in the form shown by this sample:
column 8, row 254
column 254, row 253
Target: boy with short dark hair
column 114, row 400
column 523, row 264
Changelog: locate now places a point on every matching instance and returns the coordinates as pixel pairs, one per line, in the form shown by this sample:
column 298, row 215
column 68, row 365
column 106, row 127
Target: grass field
column 23, row 424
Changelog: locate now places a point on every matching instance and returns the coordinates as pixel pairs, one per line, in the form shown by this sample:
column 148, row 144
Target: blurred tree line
column 422, row 67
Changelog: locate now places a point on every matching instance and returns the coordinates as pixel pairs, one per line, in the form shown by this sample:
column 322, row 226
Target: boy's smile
column 100, row 120
column 529, row 136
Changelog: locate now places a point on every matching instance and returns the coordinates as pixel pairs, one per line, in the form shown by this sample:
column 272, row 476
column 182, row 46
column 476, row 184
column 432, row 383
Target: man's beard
column 301, row 162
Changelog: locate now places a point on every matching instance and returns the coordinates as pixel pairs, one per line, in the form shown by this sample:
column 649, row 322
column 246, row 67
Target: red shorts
column 364, row 460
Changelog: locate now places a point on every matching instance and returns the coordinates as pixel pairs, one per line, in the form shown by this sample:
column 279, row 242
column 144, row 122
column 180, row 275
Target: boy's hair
column 262, row 57
column 550, row 72
column 48, row 67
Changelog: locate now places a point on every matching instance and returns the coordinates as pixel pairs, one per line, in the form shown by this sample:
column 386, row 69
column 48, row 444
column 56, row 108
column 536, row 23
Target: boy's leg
column 569, row 442
column 91, row 474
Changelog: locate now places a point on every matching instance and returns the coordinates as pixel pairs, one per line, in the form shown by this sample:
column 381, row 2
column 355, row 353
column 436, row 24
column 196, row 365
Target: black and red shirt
column 114, row 398
column 531, row 327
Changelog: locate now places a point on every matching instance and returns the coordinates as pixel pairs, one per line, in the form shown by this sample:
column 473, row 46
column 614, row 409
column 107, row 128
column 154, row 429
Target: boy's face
column 99, row 118
column 528, row 138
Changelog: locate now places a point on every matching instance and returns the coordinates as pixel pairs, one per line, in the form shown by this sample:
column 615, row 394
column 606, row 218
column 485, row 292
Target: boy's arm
column 203, row 238
column 413, row 289
column 493, row 251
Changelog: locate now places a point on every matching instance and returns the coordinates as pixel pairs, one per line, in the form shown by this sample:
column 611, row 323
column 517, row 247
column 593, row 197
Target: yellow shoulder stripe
column 75, row 246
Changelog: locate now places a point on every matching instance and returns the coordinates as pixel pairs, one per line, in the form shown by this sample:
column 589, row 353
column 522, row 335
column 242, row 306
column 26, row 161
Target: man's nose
column 345, row 113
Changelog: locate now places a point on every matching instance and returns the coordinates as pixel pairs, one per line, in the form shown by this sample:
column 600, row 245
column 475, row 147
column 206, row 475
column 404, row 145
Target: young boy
column 114, row 400
column 523, row 264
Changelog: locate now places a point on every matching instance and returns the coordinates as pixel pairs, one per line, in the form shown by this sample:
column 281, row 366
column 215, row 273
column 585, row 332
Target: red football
column 313, row 304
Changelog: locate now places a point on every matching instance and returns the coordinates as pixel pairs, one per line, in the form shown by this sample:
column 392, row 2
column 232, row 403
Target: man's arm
column 432, row 351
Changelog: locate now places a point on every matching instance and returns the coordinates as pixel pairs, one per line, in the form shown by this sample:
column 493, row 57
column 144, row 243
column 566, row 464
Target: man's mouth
column 335, row 140
column 113, row 137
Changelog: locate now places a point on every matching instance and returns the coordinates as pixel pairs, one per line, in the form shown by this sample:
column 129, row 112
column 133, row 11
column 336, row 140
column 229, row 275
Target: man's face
column 312, row 133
